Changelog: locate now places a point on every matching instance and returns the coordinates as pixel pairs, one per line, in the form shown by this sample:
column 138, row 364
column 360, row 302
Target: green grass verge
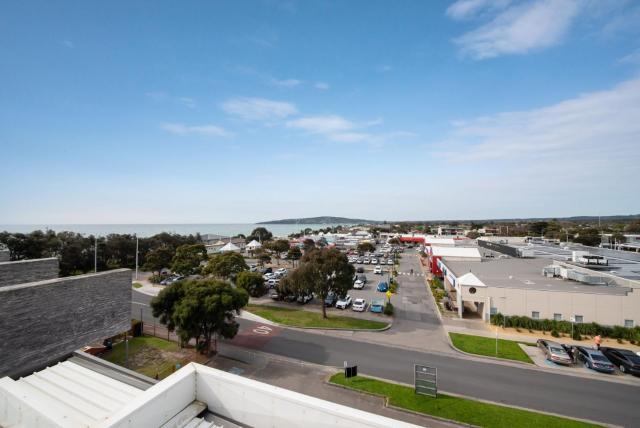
column 455, row 408
column 507, row 349
column 150, row 346
column 302, row 318
column 136, row 285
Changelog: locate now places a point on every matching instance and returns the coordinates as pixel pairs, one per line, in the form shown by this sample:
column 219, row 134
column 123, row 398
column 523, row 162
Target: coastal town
column 320, row 214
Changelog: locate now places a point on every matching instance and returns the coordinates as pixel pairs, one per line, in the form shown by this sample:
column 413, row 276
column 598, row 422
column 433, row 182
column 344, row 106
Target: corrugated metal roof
column 69, row 394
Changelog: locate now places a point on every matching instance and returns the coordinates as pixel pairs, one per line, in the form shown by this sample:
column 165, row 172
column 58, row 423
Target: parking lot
column 368, row 293
column 539, row 359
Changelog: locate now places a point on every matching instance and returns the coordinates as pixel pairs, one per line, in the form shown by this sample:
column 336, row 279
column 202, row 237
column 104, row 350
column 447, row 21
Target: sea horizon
column 144, row 230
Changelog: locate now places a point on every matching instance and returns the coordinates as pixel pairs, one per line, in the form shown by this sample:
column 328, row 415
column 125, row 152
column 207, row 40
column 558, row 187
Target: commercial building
column 436, row 253
column 541, row 289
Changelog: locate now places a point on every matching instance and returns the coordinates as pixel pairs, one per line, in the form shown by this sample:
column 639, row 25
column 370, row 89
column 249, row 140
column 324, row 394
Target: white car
column 281, row 271
column 378, row 269
column 374, row 261
column 359, row 305
column 359, row 285
column 390, row 261
column 365, row 261
column 344, row 302
column 268, row 276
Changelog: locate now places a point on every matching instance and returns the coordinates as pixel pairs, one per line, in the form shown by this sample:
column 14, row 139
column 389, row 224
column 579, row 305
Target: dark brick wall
column 4, row 255
column 28, row 271
column 43, row 321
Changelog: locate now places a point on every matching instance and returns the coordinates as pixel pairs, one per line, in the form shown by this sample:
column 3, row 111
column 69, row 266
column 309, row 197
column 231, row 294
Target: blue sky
column 225, row 112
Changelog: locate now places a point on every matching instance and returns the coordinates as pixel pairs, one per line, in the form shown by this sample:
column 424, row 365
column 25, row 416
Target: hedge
column 586, row 329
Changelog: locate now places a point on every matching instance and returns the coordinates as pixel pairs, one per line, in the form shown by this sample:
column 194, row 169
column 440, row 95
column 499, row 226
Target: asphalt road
column 593, row 399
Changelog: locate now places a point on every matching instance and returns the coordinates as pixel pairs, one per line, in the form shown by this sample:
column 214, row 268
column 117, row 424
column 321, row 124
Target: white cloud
column 202, row 130
column 521, row 28
column 322, row 124
column 467, row 9
column 337, row 128
column 187, row 102
column 594, row 130
column 259, row 108
column 632, row 58
column 321, row 85
column 283, row 83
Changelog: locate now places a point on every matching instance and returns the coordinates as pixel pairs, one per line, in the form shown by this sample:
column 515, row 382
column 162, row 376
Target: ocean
column 145, row 230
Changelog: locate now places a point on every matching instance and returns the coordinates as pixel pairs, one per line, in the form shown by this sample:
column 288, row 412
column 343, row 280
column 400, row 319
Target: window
column 472, row 290
column 535, row 315
column 493, row 311
column 579, row 319
column 628, row 323
column 557, row 317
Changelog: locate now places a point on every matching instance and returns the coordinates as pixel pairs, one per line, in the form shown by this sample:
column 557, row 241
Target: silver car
column 554, row 352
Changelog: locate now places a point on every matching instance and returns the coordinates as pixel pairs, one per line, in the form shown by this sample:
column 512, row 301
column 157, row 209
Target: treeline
column 76, row 252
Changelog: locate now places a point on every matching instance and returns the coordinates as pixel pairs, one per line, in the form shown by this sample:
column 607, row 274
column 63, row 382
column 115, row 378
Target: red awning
column 419, row 239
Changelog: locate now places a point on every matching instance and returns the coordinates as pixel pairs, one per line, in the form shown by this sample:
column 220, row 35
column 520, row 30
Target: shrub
column 393, row 287
column 564, row 327
column 155, row 279
column 388, row 309
column 555, row 333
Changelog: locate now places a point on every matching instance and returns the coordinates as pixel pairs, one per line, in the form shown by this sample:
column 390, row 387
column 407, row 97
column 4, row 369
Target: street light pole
column 136, row 257
column 95, row 254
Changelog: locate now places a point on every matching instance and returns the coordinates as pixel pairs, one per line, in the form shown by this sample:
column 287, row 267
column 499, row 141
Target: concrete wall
column 603, row 309
column 28, row 271
column 46, row 320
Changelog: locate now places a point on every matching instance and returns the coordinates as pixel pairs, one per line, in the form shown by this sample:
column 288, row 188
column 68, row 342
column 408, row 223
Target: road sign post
column 425, row 380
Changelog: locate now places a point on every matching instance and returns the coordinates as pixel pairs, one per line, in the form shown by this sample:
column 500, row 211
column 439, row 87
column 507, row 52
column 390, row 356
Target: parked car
column 272, row 283
column 305, row 298
column 360, row 260
column 374, row 261
column 344, row 302
column 378, row 270
column 359, row 305
column 290, row 298
column 383, row 286
column 253, row 268
column 362, row 277
column 360, row 269
column 274, row 295
column 627, row 361
column 594, row 359
column 390, row 261
column 281, row 271
column 331, row 299
column 554, row 352
column 359, row 285
column 377, row 306
column 365, row 261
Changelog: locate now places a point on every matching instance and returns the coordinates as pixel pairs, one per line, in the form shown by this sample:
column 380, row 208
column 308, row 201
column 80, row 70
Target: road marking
column 263, row 329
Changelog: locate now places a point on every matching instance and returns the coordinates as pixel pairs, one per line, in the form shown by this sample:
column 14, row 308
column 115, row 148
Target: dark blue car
column 383, row 286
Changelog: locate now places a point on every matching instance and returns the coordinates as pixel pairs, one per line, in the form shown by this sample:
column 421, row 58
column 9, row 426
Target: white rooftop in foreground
column 69, row 395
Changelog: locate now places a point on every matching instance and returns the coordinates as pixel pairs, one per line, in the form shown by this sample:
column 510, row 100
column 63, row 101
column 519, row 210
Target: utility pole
column 95, row 254
column 137, row 260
